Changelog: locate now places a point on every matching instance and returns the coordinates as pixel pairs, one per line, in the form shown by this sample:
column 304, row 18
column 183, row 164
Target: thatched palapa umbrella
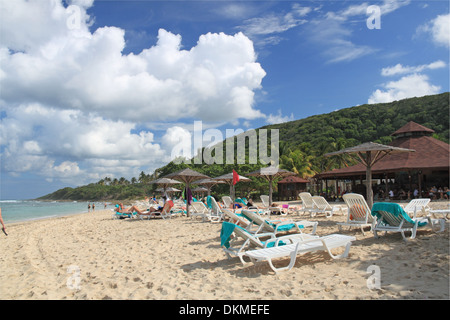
column 168, row 189
column 229, row 178
column 208, row 183
column 164, row 183
column 187, row 176
column 200, row 190
column 369, row 153
column 270, row 173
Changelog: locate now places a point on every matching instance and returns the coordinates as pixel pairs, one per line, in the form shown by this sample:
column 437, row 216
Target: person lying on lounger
column 156, row 211
column 241, row 204
column 121, row 209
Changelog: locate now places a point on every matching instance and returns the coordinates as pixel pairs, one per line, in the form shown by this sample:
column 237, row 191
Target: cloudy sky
column 108, row 88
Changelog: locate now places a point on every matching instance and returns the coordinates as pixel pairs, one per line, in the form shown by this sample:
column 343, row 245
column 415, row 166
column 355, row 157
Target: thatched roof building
column 427, row 166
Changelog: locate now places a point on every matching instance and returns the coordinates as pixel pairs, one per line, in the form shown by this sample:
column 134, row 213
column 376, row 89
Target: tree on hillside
column 298, row 162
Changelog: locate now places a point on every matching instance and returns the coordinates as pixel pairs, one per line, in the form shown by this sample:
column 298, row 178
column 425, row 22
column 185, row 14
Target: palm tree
column 107, row 180
column 143, row 178
column 299, row 163
column 341, row 160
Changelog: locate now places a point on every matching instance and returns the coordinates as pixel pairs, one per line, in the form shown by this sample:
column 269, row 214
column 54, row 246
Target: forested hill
column 302, row 145
column 374, row 122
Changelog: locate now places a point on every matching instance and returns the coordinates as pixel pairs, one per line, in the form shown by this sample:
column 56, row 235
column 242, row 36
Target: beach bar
column 428, row 166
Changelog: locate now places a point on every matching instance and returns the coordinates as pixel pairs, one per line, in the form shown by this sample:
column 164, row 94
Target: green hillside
column 302, row 146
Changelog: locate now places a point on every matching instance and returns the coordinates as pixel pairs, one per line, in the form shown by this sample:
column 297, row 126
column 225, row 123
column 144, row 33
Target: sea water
column 23, row 210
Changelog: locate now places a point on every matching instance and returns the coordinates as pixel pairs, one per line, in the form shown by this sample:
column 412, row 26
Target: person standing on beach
column 1, row 221
column 93, row 206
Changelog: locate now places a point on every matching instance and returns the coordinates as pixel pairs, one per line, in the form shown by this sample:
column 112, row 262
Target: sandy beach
column 92, row 256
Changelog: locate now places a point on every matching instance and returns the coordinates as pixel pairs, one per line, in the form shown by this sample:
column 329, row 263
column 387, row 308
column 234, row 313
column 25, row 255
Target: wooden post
column 369, row 190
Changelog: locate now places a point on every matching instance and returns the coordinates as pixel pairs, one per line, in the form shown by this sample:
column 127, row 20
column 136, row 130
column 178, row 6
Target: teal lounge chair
column 391, row 217
column 122, row 215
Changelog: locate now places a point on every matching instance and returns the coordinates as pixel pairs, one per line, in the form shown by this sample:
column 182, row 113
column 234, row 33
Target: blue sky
column 91, row 89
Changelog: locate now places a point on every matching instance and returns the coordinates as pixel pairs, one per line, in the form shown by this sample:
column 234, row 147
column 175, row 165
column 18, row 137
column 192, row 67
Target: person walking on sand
column 1, row 221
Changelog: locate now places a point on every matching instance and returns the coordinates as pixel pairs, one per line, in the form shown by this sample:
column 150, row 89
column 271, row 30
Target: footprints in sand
column 180, row 259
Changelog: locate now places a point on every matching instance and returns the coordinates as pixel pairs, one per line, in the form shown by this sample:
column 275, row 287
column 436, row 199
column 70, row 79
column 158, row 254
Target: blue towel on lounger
column 227, row 230
column 286, row 227
column 208, row 202
column 395, row 209
column 225, row 233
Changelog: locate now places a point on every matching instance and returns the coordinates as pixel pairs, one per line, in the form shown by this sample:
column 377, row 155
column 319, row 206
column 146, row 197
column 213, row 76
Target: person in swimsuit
column 1, row 221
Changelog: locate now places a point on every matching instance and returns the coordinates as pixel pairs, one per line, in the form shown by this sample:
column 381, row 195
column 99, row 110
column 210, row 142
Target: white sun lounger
column 326, row 243
column 235, row 240
column 227, row 202
column 307, row 203
column 199, row 210
column 358, row 213
column 417, row 205
column 276, row 226
column 322, row 206
column 392, row 217
column 268, row 209
column 216, row 213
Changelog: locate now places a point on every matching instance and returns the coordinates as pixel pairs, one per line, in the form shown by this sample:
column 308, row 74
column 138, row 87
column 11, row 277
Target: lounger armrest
column 289, row 239
column 292, row 238
column 267, row 234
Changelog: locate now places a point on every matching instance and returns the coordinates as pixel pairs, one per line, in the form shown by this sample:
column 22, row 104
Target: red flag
column 235, row 177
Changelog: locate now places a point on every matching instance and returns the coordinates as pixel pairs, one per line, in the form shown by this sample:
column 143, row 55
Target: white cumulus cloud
column 68, row 144
column 279, row 118
column 400, row 69
column 74, row 105
column 439, row 29
column 415, row 85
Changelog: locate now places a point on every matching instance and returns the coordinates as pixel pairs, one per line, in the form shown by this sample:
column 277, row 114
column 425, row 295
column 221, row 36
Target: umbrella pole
column 270, row 191
column 369, row 191
column 187, row 200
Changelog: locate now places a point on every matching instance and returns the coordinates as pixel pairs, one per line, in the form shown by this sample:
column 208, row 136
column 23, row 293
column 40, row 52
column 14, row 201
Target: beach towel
column 286, row 227
column 358, row 211
column 208, row 202
column 225, row 233
column 394, row 209
column 227, row 230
